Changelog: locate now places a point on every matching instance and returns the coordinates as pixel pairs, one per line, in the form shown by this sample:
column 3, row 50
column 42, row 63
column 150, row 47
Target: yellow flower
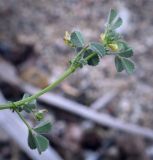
column 102, row 37
column 67, row 38
column 111, row 45
column 114, row 47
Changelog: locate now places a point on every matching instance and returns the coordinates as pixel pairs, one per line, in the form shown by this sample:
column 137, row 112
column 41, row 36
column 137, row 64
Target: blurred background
column 97, row 113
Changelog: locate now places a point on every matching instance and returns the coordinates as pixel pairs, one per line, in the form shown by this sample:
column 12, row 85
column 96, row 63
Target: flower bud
column 67, row 38
column 40, row 114
column 114, row 47
column 102, row 37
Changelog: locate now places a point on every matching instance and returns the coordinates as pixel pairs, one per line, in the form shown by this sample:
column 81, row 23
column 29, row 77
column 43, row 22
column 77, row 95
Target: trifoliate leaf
column 94, row 60
column 117, row 23
column 77, row 39
column 31, row 140
column 118, row 64
column 43, row 127
column 42, row 143
column 112, row 16
column 127, row 53
column 128, row 65
column 97, row 48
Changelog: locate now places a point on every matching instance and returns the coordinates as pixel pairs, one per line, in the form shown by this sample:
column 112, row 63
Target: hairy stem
column 48, row 88
column 66, row 74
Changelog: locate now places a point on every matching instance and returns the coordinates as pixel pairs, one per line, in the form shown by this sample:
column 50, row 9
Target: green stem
column 23, row 119
column 48, row 88
column 90, row 56
column 66, row 74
